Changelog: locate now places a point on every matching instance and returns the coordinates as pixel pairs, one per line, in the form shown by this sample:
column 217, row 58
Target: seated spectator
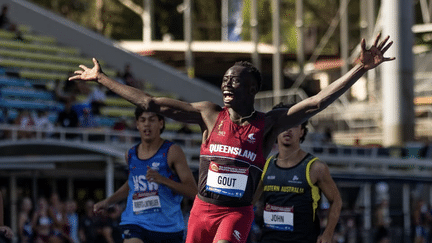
column 96, row 98
column 66, row 91
column 120, row 125
column 25, row 122
column 130, row 79
column 6, row 24
column 42, row 122
column 87, row 119
column 68, row 118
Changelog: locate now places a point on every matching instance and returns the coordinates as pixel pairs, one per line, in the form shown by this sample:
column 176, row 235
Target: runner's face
column 236, row 86
column 291, row 136
column 149, row 125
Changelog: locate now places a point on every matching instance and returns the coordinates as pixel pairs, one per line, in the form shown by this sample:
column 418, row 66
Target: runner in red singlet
column 236, row 139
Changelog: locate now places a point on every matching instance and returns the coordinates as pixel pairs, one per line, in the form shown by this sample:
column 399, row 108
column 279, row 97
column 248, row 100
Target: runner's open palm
column 374, row 56
column 86, row 73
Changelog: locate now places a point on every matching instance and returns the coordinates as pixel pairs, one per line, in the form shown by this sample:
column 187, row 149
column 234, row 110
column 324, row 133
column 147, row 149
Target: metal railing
column 190, row 143
column 410, row 161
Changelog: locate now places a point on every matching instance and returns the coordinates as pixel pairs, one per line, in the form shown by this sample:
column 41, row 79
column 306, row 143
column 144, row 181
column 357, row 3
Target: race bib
column 227, row 180
column 146, row 202
column 279, row 218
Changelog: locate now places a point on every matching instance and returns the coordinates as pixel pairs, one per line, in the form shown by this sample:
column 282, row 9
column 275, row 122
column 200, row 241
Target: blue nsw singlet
column 150, row 205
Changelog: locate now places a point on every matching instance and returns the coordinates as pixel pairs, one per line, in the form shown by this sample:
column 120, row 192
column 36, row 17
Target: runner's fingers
column 83, row 67
column 95, row 61
column 387, row 47
column 363, row 44
column 377, row 39
column 389, row 59
column 380, row 46
column 74, row 77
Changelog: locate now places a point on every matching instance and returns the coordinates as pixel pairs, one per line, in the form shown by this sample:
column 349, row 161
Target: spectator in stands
column 60, row 227
column 120, row 125
column 328, row 136
column 43, row 123
column 67, row 118
column 41, row 222
column 26, row 123
column 5, row 230
column 88, row 224
column 66, row 92
column 382, row 220
column 97, row 98
column 128, row 77
column 73, row 220
column 421, row 218
column 25, row 228
column 7, row 24
column 87, row 119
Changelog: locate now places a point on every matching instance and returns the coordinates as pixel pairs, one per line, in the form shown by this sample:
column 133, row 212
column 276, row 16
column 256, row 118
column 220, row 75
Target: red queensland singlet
column 231, row 162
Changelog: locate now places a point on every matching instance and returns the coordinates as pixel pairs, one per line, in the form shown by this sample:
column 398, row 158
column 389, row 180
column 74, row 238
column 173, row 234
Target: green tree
column 317, row 15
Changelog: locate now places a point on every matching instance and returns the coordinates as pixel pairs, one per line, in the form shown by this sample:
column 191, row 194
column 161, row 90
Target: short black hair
column 250, row 68
column 303, row 125
column 139, row 111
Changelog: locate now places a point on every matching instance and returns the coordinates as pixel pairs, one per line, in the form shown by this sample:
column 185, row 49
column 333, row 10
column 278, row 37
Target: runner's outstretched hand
column 86, row 73
column 374, row 56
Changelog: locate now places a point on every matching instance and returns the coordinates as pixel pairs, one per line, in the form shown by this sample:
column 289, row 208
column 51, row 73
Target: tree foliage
column 119, row 22
column 116, row 21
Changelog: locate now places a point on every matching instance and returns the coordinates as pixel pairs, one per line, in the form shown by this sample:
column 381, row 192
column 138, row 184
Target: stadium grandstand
column 87, row 161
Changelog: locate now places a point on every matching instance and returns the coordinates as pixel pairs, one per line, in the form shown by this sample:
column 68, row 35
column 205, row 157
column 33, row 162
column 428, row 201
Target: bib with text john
column 279, row 218
column 227, row 180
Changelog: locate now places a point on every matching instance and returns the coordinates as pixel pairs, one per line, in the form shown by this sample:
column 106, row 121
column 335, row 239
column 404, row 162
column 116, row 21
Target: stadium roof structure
column 56, row 158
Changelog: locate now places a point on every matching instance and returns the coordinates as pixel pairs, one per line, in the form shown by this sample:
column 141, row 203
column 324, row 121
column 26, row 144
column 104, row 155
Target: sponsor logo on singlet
column 251, row 138
column 237, row 235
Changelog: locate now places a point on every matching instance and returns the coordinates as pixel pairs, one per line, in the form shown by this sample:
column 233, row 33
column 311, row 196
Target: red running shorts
column 209, row 223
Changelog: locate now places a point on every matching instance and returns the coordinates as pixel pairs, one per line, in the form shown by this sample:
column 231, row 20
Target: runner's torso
column 150, row 205
column 231, row 162
column 290, row 202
